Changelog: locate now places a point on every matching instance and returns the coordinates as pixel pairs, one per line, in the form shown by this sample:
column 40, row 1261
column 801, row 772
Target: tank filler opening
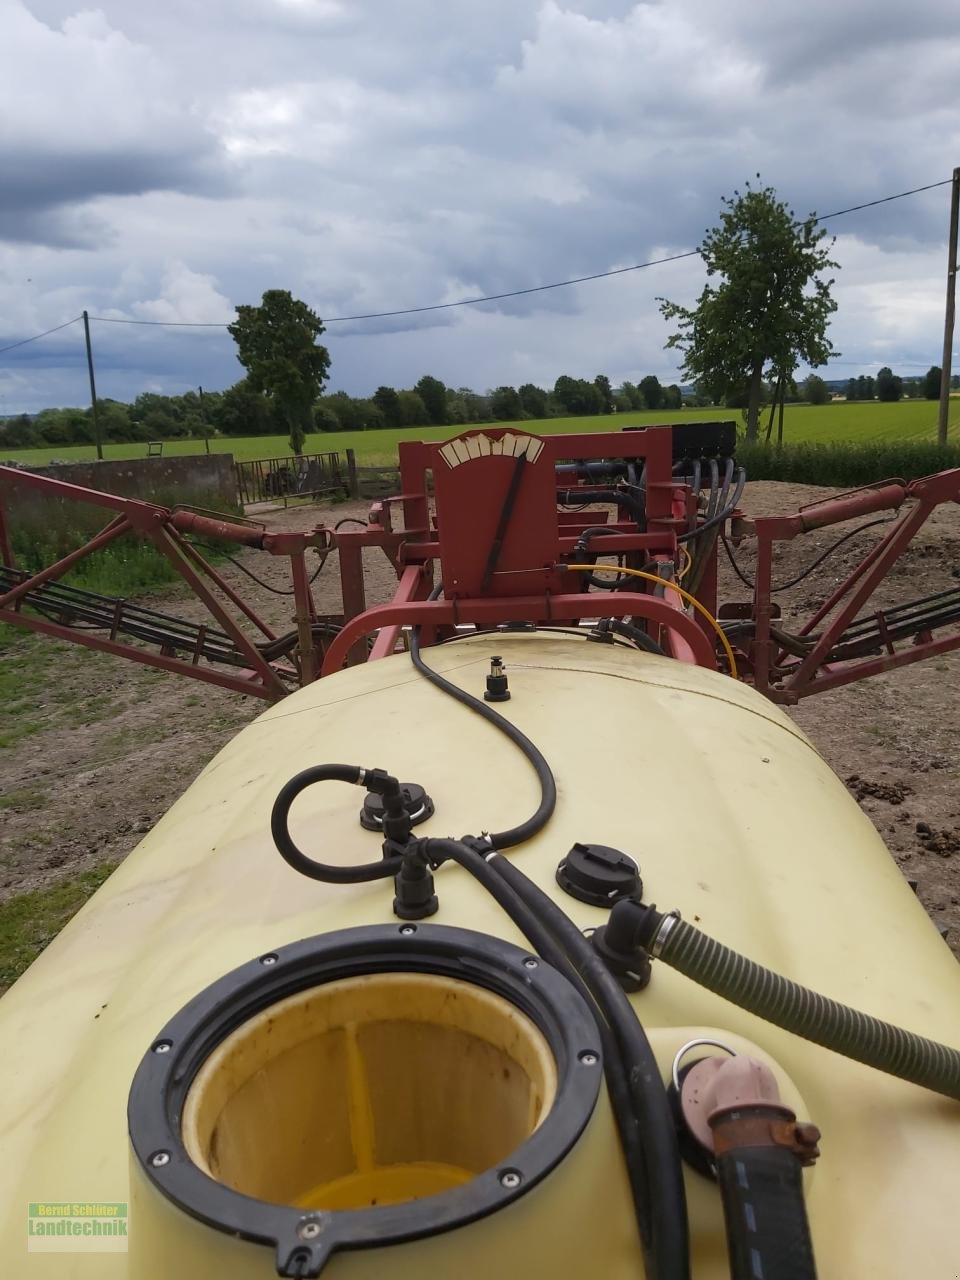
column 369, row 1090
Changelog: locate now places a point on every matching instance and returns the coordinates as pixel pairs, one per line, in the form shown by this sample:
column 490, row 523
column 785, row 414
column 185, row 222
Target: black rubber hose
column 615, row 1073
column 797, row 1009
column 815, row 564
column 666, row 1194
column 618, row 497
column 582, row 549
column 768, row 1233
column 631, row 632
column 721, row 515
column 279, row 828
column 548, row 786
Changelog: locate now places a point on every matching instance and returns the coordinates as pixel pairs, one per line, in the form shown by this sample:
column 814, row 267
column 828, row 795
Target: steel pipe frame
column 813, row 674
column 492, row 611
column 163, row 527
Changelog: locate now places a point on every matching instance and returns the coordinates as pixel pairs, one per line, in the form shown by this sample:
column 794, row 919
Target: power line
column 490, row 297
column 854, row 208
column 436, row 306
column 23, row 341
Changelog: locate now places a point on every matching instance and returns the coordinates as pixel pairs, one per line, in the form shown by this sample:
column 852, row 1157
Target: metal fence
column 296, row 476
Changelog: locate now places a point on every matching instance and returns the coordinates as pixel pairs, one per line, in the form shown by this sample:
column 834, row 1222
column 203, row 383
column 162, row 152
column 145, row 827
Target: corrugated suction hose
column 786, row 1004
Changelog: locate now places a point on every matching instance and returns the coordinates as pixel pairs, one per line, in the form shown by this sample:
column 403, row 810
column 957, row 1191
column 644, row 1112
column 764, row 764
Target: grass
column 29, row 921
column 853, row 423
column 847, row 464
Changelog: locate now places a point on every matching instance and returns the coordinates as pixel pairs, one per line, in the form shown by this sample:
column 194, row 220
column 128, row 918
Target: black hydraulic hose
column 618, row 497
column 768, row 1232
column 714, row 488
column 548, row 786
column 297, row 859
column 725, row 487
column 631, row 632
column 548, row 948
column 815, row 564
column 582, row 549
column 794, row 1008
column 721, row 515
column 669, row 1238
column 695, row 488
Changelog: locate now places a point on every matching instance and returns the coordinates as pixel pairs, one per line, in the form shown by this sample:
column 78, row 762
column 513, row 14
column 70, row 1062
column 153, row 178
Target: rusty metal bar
column 237, row 684
column 168, row 542
column 835, row 676
column 206, row 567
column 866, row 584
column 410, row 588
column 305, row 614
column 353, row 590
column 515, row 609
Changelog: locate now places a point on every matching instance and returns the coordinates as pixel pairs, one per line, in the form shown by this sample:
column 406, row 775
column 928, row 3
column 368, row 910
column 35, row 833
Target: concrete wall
column 198, row 480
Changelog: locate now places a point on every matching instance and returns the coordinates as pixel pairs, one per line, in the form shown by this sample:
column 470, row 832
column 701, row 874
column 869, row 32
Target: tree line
column 242, row 410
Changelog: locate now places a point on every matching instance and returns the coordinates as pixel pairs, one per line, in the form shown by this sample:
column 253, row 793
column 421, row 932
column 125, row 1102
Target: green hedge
column 845, row 464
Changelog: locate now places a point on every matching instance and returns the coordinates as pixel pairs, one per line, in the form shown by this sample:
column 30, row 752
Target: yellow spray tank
column 321, row 1084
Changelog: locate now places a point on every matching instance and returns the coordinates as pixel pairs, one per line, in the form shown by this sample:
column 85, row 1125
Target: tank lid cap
column 599, row 875
column 416, row 802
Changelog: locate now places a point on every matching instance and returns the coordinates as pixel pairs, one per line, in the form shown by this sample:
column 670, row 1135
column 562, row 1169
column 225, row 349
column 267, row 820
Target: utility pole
column 203, row 419
column 93, row 388
column 950, row 311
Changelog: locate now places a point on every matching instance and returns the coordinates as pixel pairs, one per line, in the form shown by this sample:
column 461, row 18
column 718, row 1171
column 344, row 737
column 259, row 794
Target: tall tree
column 277, row 345
column 434, row 396
column 815, row 390
column 505, row 404
column 413, row 412
column 533, row 400
column 851, row 391
column 602, row 383
column 771, row 307
column 388, row 402
column 889, row 386
column 931, row 383
column 652, row 391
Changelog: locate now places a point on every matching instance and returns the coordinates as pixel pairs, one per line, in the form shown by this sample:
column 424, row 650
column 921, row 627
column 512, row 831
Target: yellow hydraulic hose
column 672, row 586
column 688, row 565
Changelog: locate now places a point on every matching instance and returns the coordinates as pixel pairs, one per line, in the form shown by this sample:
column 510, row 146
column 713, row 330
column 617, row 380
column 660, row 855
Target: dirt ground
column 94, row 750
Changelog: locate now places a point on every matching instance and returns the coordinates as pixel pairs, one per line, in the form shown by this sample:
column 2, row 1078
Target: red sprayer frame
column 268, row 677
column 497, row 515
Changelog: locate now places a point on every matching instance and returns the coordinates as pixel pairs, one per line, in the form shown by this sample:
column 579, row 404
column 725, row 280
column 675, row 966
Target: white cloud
column 186, row 297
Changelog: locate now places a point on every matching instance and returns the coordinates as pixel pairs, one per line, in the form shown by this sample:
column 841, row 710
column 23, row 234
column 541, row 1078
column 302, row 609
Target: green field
column 858, row 422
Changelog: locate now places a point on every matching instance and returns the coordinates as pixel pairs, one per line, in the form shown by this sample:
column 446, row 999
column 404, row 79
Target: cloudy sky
column 168, row 160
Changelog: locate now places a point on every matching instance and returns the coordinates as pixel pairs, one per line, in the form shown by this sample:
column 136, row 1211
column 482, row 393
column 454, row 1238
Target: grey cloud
column 377, row 154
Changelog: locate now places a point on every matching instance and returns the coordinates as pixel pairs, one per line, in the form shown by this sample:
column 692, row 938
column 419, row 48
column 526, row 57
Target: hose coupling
column 414, row 896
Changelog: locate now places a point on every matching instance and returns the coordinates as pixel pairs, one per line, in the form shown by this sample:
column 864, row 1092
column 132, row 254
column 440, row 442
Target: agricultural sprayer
column 436, row 1025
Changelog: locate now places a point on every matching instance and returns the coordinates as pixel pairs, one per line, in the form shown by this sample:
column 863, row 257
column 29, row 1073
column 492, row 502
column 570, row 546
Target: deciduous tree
column 889, row 386
column 434, row 396
column 770, row 308
column 815, row 390
column 931, row 383
column 277, row 345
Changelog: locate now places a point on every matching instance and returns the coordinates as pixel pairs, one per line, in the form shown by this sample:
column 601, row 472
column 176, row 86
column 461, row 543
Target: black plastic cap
column 416, row 803
column 599, row 875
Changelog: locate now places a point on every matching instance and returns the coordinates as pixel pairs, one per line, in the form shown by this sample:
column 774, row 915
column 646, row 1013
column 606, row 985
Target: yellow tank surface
column 382, row 1088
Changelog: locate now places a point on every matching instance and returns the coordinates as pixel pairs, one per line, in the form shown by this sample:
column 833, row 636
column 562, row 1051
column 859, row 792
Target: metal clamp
column 663, row 933
column 693, row 1044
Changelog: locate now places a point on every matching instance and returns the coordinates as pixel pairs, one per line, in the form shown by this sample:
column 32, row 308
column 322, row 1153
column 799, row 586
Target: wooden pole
column 203, row 419
column 946, row 363
column 93, row 388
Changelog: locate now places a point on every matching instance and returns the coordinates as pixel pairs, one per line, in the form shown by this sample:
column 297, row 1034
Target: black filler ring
column 305, row 1240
